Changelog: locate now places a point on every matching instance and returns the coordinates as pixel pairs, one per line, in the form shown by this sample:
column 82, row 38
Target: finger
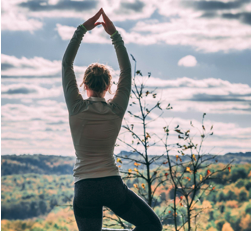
column 97, row 23
column 97, row 15
column 105, row 16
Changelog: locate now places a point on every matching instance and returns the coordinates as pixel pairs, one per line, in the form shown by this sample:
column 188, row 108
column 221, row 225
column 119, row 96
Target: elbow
column 64, row 62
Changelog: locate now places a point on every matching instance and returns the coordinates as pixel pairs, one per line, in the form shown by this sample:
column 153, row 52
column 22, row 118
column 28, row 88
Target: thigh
column 88, row 210
column 132, row 208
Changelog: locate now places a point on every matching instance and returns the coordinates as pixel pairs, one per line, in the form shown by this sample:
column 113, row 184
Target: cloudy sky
column 198, row 53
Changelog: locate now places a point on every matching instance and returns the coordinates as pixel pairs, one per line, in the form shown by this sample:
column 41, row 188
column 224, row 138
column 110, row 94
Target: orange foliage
column 232, row 204
column 227, row 227
column 245, row 222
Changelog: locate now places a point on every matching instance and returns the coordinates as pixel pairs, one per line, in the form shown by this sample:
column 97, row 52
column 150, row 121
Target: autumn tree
column 187, row 174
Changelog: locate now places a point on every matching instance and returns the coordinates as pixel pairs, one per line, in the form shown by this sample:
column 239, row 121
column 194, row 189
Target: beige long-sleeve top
column 94, row 122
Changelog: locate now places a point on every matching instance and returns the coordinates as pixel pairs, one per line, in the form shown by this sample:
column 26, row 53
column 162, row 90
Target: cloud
column 95, row 36
column 136, row 6
column 36, row 66
column 15, row 20
column 244, row 17
column 21, row 90
column 41, row 124
column 188, row 61
column 43, row 128
column 210, row 95
column 207, row 26
column 184, row 93
column 62, row 5
column 202, row 34
column 215, row 5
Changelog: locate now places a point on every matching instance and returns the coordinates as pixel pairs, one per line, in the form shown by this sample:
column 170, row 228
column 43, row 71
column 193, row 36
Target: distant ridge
column 63, row 165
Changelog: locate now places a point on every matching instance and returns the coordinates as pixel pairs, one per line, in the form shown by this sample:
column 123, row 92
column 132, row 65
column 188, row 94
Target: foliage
column 61, row 215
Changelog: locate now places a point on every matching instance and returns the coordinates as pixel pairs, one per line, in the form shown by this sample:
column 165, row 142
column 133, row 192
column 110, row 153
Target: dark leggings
column 90, row 195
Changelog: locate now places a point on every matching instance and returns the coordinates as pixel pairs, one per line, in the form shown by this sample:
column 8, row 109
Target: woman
column 95, row 125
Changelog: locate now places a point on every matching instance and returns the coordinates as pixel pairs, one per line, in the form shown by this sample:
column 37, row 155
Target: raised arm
column 123, row 91
column 73, row 98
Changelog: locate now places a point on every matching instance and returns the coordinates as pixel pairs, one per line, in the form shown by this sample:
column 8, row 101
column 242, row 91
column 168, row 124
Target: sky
column 198, row 53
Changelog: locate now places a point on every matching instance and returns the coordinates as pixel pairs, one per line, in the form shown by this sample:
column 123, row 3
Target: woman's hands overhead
column 91, row 22
column 107, row 24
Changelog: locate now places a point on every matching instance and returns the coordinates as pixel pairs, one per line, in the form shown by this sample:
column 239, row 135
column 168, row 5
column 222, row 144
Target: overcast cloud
column 198, row 53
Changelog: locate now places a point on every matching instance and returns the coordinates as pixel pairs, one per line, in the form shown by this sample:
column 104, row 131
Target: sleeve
column 73, row 98
column 122, row 94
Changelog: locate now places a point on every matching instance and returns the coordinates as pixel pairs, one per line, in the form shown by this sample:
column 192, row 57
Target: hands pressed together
column 107, row 24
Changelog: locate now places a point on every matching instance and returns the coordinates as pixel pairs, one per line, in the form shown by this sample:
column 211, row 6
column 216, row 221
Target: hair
column 97, row 77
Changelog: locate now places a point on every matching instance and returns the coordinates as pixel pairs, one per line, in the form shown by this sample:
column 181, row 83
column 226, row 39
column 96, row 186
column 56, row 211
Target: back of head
column 97, row 77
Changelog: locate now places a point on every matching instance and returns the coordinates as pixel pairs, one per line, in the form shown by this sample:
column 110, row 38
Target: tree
column 188, row 173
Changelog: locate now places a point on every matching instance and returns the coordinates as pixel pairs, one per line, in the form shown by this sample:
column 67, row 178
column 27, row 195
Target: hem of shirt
column 76, row 179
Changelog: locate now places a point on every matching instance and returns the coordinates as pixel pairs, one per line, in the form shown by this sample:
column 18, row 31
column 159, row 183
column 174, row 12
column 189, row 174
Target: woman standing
column 95, row 124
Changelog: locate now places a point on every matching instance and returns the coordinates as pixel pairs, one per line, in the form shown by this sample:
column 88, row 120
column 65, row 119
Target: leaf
column 211, row 134
column 188, row 169
column 203, row 127
column 135, row 186
column 180, row 137
column 193, row 156
column 133, row 57
column 208, row 172
column 135, row 169
column 203, row 136
column 201, row 177
column 166, row 129
column 143, row 185
column 204, row 115
column 178, row 131
column 189, row 178
column 158, row 104
column 186, row 133
column 147, row 135
column 229, row 169
column 177, row 126
column 211, row 127
column 136, row 164
column 119, row 160
column 147, row 92
column 119, row 166
column 183, row 154
column 138, row 72
column 191, row 123
column 154, row 95
column 129, row 170
column 177, row 157
column 165, row 162
column 166, row 174
column 181, row 197
column 149, row 74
